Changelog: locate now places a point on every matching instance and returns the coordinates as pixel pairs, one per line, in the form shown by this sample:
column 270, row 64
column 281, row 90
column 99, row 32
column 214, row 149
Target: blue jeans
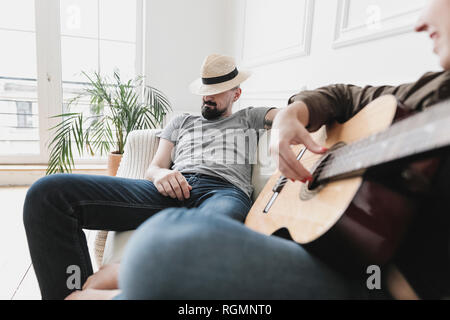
column 192, row 254
column 58, row 207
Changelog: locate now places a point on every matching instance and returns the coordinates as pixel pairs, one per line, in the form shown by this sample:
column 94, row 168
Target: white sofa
column 140, row 148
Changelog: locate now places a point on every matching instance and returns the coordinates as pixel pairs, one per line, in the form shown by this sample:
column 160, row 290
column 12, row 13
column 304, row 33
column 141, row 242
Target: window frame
column 49, row 77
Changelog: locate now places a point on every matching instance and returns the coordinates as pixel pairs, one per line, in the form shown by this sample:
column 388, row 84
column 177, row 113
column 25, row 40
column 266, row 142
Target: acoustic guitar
column 365, row 189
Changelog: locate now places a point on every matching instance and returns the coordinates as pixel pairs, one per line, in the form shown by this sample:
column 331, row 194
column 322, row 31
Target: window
column 19, row 120
column 24, row 115
column 41, row 67
column 106, row 32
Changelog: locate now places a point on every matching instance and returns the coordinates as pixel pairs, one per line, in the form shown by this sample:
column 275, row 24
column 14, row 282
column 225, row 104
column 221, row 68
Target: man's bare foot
column 105, row 279
column 92, row 294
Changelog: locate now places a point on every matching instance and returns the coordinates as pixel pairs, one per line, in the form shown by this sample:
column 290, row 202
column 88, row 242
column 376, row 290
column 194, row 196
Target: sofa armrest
column 139, row 151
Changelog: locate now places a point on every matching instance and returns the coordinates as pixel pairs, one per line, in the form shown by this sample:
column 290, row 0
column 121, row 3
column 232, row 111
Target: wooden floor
column 17, row 278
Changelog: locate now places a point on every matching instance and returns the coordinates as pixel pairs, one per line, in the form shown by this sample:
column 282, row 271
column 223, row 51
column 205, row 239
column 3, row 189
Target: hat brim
column 197, row 87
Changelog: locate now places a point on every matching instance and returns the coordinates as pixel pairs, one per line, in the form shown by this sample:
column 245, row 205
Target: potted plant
column 117, row 108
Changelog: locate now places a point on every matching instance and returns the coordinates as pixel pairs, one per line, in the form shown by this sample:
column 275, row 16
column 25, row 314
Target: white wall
column 296, row 44
column 288, row 44
column 179, row 34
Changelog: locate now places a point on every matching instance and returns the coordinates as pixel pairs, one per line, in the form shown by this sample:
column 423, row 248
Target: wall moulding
column 254, row 29
column 376, row 26
column 269, row 98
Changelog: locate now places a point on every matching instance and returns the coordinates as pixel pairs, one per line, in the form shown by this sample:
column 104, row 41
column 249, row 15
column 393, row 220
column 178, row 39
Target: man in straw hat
column 187, row 254
column 218, row 144
column 201, row 162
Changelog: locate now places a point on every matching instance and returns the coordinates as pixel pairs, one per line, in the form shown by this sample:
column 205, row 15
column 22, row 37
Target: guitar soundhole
column 310, row 189
column 306, row 193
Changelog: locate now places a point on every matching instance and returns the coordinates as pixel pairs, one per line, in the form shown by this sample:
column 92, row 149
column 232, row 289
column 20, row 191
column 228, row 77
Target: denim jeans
column 58, row 207
column 191, row 254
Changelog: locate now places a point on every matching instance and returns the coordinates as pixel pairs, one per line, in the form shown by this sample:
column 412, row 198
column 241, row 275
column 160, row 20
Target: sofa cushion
column 265, row 166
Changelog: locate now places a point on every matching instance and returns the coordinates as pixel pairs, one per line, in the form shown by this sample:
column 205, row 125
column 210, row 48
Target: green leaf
column 117, row 108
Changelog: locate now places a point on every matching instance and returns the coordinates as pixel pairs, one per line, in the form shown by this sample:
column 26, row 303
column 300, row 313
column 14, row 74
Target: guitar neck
column 420, row 133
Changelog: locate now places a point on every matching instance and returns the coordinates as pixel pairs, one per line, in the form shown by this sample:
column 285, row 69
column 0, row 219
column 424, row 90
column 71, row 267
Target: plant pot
column 113, row 163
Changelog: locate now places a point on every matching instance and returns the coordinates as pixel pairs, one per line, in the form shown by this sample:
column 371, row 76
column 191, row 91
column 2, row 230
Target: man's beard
column 210, row 111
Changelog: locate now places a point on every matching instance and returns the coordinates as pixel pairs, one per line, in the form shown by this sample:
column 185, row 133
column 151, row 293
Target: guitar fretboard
column 422, row 132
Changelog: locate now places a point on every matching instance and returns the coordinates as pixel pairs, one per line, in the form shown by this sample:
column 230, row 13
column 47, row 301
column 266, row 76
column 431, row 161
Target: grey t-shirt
column 224, row 147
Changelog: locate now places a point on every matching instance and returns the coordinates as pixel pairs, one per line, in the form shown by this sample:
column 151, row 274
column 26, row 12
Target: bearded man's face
column 215, row 106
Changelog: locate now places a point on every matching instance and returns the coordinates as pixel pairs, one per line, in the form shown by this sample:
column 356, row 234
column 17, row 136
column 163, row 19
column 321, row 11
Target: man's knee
column 160, row 254
column 232, row 205
column 39, row 193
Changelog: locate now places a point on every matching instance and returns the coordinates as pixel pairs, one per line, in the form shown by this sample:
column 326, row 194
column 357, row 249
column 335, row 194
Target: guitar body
column 351, row 222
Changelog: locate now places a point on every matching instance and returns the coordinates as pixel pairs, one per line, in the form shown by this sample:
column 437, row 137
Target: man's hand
column 105, row 279
column 172, row 183
column 93, row 294
column 168, row 182
column 289, row 129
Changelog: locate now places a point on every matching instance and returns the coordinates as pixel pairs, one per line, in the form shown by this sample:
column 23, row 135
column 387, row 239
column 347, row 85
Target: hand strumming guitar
column 289, row 129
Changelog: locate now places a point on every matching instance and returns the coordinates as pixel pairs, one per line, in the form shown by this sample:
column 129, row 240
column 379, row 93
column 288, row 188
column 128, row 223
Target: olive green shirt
column 340, row 102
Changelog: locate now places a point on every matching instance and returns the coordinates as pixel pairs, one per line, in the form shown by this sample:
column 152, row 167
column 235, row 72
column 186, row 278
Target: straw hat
column 218, row 74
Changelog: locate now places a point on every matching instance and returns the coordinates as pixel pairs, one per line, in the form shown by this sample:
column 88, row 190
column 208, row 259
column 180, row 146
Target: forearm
column 153, row 171
column 296, row 110
column 340, row 102
column 300, row 111
column 327, row 104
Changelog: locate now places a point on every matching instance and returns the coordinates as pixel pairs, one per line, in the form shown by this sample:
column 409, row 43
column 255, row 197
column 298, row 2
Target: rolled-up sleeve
column 340, row 102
